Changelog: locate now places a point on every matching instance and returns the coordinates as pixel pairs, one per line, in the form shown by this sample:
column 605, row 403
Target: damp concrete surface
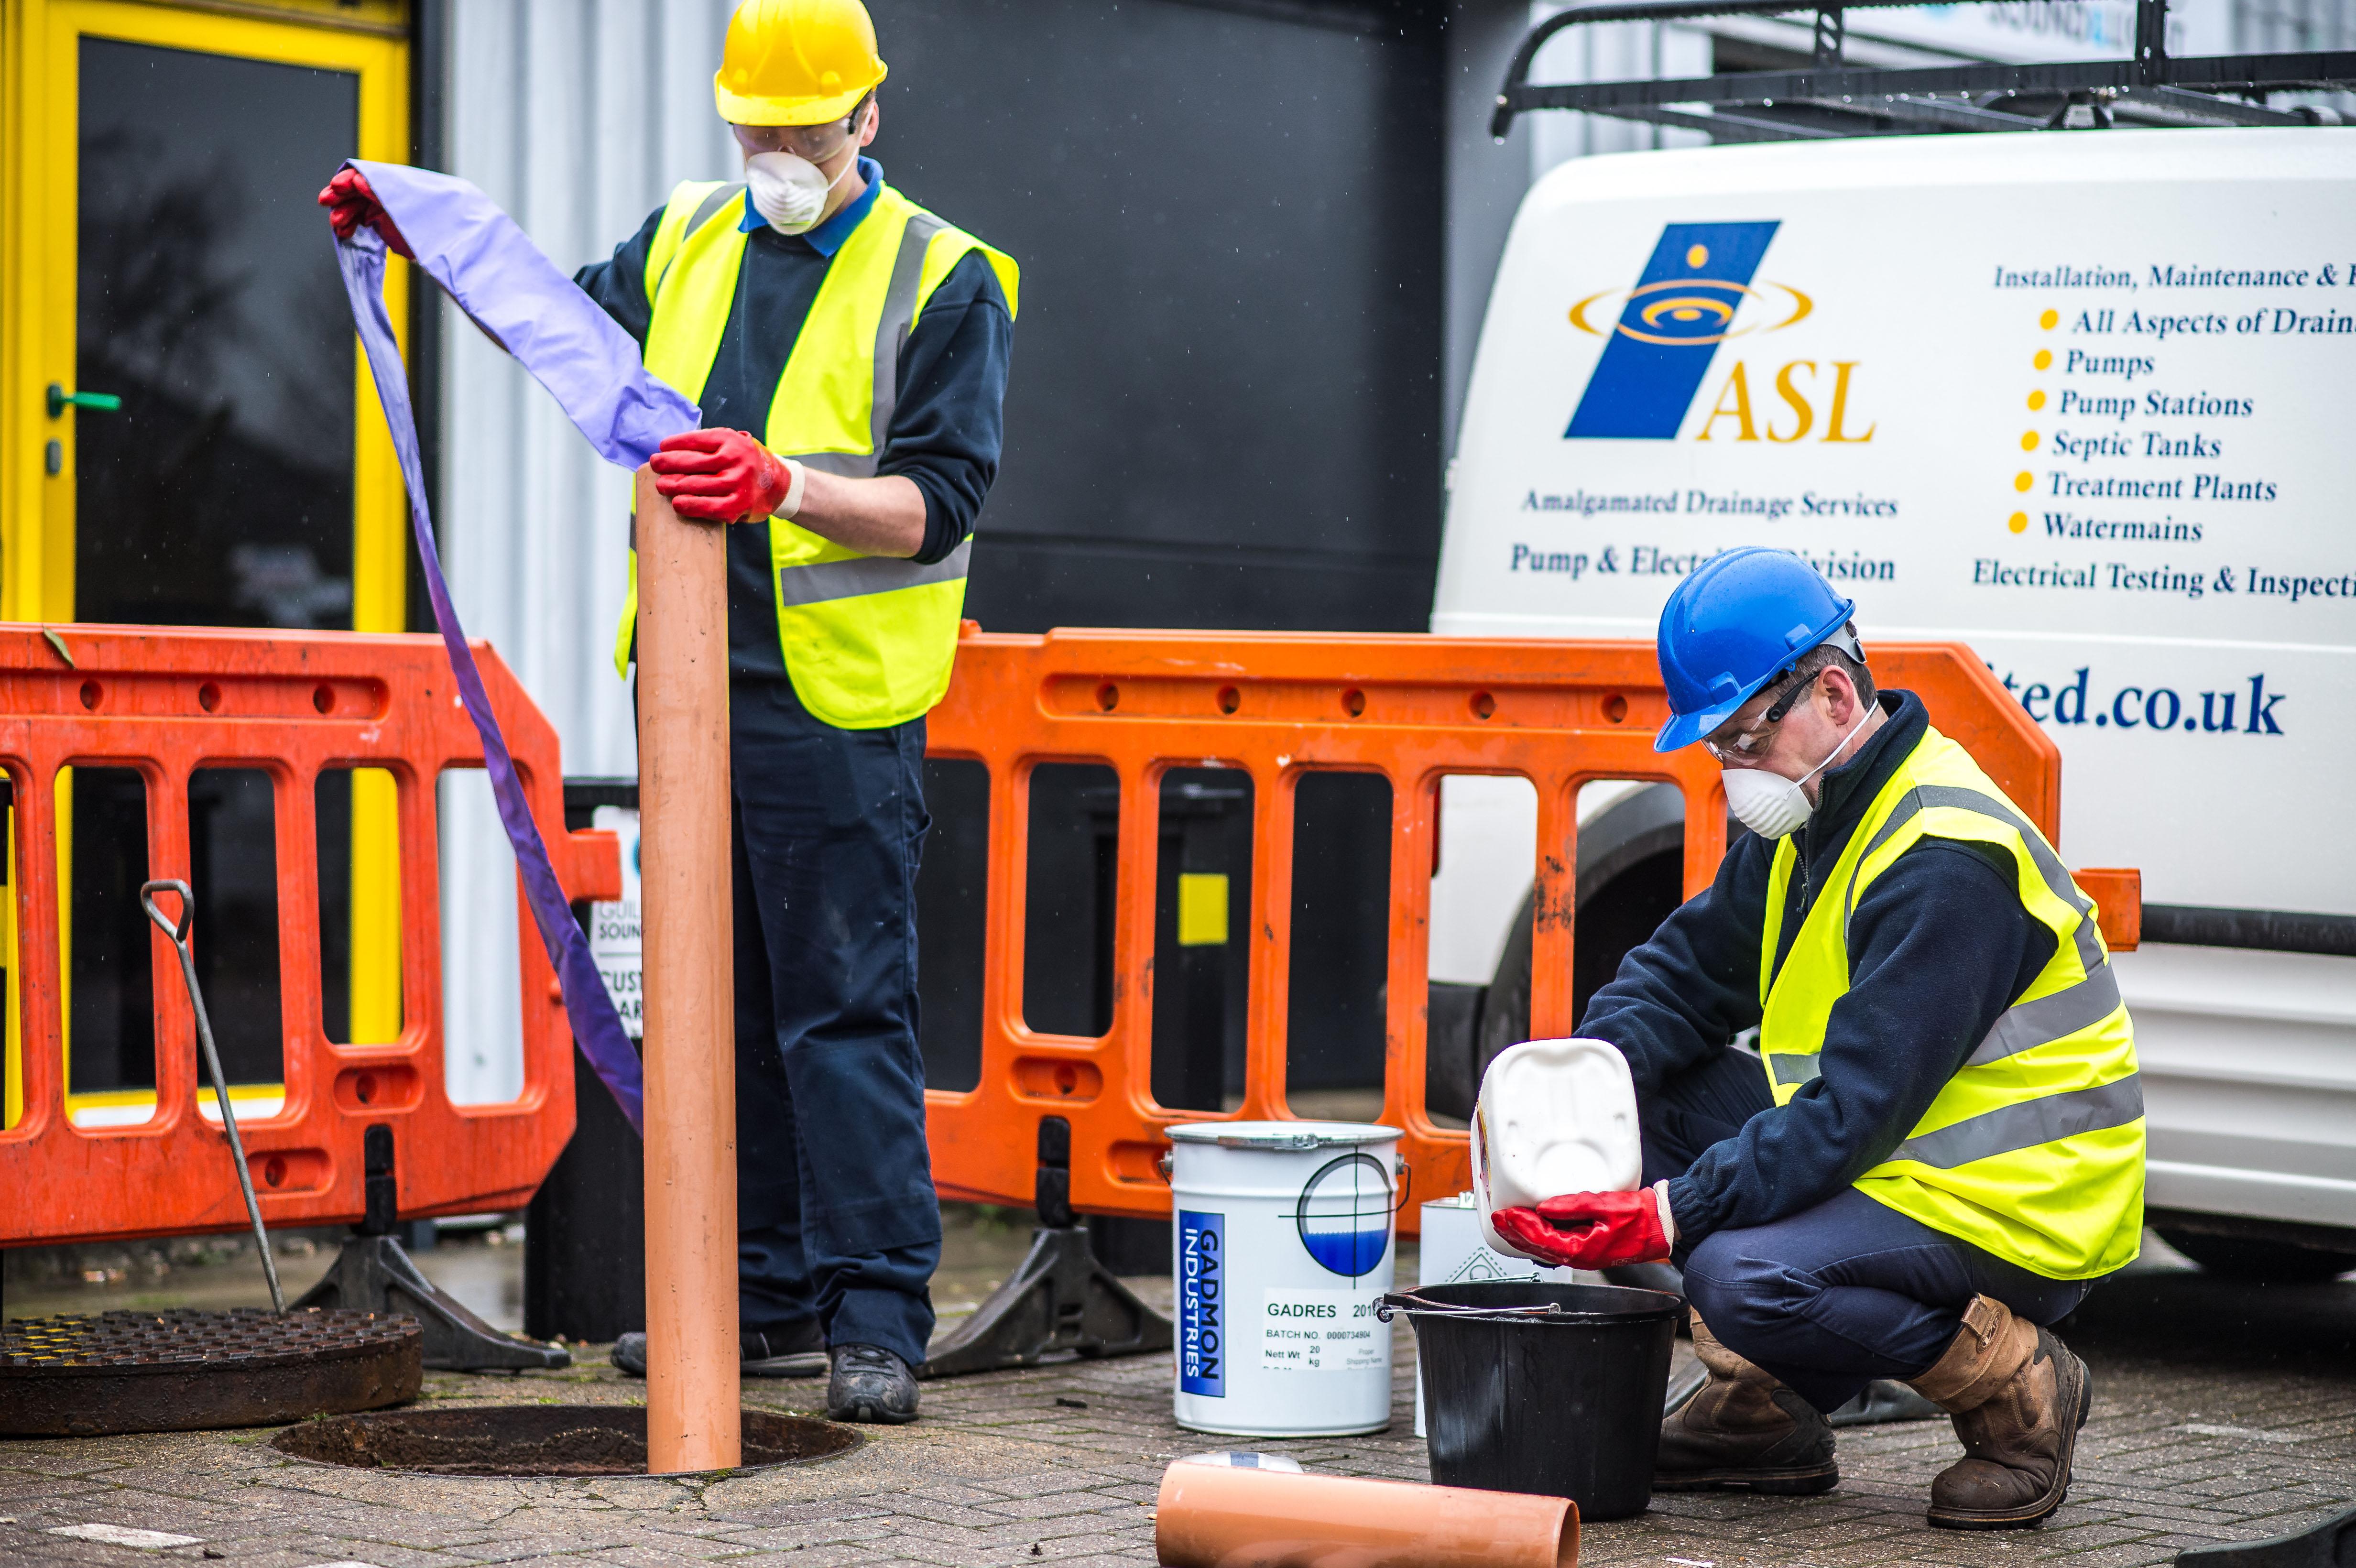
column 2224, row 1412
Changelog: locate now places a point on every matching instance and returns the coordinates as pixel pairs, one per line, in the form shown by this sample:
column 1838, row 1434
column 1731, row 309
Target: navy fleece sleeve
column 1694, row 986
column 619, row 285
column 949, row 426
column 1939, row 944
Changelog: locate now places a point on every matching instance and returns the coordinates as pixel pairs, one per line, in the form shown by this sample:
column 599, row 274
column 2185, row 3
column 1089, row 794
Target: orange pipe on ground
column 693, row 1405
column 1211, row 1516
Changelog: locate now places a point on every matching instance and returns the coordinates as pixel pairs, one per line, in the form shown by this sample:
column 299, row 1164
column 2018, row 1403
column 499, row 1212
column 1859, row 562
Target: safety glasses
column 1750, row 744
column 816, row 144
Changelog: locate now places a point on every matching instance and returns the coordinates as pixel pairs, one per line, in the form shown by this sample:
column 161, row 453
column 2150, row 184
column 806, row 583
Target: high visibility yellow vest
column 868, row 639
column 2034, row 1149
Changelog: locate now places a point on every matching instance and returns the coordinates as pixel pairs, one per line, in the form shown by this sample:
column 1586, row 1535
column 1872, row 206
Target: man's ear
column 875, row 122
column 1841, row 704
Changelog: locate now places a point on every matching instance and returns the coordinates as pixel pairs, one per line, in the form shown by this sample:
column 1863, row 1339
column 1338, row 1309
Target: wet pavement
column 2223, row 1412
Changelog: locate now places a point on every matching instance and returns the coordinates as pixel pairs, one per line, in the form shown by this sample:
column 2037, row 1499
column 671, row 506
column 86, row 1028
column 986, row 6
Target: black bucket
column 1564, row 1403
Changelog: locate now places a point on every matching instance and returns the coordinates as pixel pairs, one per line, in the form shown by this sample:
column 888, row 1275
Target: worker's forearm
column 874, row 517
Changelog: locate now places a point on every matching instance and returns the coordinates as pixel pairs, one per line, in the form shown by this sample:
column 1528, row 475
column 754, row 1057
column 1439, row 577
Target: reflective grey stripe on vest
column 2027, row 1124
column 891, row 337
column 702, row 213
column 2048, row 865
column 2047, row 1018
column 822, row 581
column 2019, row 1027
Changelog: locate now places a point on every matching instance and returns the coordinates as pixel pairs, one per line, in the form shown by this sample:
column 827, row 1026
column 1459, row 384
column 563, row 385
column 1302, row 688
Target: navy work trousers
column 836, row 1217
column 1836, row 1296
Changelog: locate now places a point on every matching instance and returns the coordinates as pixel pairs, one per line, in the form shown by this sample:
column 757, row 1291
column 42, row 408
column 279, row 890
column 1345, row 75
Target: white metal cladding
column 577, row 116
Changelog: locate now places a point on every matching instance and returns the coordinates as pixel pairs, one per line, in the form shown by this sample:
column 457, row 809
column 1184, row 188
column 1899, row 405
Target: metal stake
column 179, row 935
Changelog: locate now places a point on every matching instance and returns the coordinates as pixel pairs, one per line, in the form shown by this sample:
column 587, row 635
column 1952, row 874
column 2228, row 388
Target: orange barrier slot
column 1280, row 707
column 166, row 702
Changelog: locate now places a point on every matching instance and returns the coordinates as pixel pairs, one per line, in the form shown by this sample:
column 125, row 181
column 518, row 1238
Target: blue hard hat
column 1733, row 626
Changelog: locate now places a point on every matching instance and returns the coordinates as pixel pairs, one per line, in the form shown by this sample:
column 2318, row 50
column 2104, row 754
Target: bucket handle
column 1410, row 1302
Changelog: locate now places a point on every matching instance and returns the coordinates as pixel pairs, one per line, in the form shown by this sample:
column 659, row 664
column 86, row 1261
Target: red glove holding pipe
column 350, row 203
column 1593, row 1229
column 724, row 476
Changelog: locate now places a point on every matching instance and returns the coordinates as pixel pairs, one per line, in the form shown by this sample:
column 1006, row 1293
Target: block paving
column 2223, row 1412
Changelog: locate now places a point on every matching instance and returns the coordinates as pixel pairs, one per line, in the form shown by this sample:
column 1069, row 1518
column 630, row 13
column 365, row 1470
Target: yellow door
column 188, row 436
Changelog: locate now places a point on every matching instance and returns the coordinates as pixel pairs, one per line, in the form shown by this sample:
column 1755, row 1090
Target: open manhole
column 537, row 1440
column 185, row 1370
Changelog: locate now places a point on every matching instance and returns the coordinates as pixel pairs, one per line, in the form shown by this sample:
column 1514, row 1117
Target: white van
column 2080, row 400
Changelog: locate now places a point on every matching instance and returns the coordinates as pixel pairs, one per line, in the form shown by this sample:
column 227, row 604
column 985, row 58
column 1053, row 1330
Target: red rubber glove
column 350, row 203
column 719, row 475
column 1593, row 1229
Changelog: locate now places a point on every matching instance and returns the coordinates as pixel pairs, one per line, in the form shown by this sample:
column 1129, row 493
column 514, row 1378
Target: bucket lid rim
column 1281, row 1136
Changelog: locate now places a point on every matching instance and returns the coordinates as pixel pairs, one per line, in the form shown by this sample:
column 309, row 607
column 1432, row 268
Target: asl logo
column 1681, row 309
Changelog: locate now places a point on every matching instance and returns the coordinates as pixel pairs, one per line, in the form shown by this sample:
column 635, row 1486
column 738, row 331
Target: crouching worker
column 1940, row 1146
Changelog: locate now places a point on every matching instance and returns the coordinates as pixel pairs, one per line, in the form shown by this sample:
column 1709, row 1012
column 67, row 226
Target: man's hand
column 1593, row 1229
column 720, row 476
column 350, row 203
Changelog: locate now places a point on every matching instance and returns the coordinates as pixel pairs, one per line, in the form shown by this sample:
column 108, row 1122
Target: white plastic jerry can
column 1554, row 1116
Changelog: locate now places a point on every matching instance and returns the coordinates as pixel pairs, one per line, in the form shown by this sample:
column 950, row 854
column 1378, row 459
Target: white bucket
column 1282, row 1247
column 1452, row 1252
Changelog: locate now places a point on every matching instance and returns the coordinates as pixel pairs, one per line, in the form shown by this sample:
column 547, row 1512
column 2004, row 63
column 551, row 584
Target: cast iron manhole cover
column 537, row 1440
column 185, row 1370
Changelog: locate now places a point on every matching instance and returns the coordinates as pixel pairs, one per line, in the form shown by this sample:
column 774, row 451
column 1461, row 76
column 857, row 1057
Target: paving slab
column 2222, row 1413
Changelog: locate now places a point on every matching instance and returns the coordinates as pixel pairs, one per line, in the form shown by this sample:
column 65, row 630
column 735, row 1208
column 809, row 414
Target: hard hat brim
column 1684, row 729
column 740, row 109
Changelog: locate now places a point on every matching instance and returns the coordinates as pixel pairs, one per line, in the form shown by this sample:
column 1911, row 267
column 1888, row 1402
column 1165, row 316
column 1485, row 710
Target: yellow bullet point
column 2044, row 361
column 2036, row 401
column 2022, row 480
column 1697, row 256
column 2018, row 522
column 2029, row 441
column 2051, row 319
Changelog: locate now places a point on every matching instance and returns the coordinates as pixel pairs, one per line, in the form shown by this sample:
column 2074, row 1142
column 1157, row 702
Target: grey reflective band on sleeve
column 2027, row 1124
column 2048, row 865
column 1804, row 1062
column 2026, row 1025
column 821, row 582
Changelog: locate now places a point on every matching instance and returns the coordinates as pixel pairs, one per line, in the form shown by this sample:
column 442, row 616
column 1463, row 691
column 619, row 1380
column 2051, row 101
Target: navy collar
column 828, row 236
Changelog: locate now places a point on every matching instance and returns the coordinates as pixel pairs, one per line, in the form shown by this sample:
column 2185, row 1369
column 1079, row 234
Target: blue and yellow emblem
column 1681, row 309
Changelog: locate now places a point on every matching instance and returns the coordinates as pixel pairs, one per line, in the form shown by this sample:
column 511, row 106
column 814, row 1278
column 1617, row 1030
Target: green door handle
column 97, row 403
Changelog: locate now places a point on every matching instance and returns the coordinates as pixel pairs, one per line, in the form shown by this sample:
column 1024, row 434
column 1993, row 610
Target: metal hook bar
column 178, row 933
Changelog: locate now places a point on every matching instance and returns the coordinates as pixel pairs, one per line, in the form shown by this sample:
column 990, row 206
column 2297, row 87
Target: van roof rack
column 1830, row 98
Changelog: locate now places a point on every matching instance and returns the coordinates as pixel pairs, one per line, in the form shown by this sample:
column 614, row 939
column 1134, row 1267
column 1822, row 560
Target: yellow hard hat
column 795, row 62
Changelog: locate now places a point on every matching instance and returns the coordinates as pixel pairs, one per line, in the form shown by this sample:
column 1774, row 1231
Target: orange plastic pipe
column 693, row 1408
column 1211, row 1516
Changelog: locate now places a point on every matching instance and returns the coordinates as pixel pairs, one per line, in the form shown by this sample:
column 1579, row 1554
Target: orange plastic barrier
column 1279, row 705
column 166, row 702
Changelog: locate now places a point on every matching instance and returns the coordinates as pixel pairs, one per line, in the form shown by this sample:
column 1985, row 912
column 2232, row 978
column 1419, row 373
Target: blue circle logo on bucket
column 1345, row 1214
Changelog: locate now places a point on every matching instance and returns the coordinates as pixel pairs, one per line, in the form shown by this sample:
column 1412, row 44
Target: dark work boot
column 869, row 1384
column 1743, row 1430
column 2017, row 1398
column 798, row 1352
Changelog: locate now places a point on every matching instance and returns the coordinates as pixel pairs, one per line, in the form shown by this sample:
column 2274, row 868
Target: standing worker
column 848, row 350
column 1946, row 1147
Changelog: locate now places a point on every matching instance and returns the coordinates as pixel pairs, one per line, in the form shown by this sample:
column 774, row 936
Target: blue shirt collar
column 828, row 236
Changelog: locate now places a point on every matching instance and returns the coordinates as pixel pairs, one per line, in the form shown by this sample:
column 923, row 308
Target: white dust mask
column 1771, row 804
column 788, row 190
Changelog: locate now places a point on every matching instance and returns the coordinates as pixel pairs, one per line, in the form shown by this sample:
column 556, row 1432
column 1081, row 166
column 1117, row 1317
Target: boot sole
column 1799, row 1481
column 2044, row 1508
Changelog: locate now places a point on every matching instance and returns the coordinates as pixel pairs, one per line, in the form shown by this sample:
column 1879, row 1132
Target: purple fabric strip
column 502, row 280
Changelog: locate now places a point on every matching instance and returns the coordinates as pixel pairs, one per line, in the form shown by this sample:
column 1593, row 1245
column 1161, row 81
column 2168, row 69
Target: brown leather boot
column 1743, row 1430
column 2017, row 1398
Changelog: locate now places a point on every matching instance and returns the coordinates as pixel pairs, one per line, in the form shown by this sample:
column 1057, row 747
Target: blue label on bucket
column 1202, row 1306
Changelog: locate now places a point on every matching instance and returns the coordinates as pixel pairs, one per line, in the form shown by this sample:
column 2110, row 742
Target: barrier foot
column 373, row 1273
column 1060, row 1299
